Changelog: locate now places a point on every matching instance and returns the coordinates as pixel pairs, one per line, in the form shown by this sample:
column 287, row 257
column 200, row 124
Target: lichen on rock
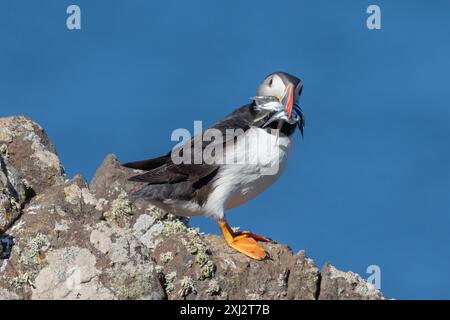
column 121, row 208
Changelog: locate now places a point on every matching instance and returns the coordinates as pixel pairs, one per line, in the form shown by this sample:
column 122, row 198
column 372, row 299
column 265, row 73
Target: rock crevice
column 65, row 239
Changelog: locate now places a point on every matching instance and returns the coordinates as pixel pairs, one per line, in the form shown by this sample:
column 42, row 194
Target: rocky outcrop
column 28, row 165
column 65, row 239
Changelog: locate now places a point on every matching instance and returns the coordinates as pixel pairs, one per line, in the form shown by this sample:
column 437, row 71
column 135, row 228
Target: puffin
column 248, row 157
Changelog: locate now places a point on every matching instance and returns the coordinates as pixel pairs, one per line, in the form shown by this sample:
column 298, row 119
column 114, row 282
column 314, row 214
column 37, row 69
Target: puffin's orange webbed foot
column 247, row 245
column 253, row 235
column 244, row 241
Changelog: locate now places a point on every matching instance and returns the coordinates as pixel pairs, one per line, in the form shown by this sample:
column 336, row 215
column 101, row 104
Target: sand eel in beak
column 255, row 144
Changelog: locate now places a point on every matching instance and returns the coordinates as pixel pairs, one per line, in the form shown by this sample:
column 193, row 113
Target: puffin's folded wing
column 166, row 171
column 163, row 170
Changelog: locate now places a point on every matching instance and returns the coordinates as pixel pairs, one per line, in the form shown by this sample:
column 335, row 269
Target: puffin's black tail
column 148, row 164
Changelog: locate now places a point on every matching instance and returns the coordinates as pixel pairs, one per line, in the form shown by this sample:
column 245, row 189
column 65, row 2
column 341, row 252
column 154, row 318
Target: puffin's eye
column 270, row 82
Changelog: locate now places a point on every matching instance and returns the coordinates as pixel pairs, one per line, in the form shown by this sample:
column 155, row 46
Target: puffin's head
column 286, row 89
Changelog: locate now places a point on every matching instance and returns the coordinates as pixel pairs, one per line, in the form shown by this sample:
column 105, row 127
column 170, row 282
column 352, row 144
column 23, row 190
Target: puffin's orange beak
column 289, row 103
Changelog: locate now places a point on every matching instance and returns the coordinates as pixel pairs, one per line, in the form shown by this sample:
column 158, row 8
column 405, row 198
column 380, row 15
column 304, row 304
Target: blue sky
column 370, row 183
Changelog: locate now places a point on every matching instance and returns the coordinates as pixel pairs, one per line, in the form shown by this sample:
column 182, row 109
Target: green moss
column 23, row 280
column 186, row 286
column 169, row 279
column 4, row 149
column 159, row 269
column 170, row 276
column 202, row 258
column 166, row 257
column 26, row 183
column 193, row 232
column 172, row 227
column 198, row 248
column 15, row 205
column 213, row 288
column 155, row 212
column 37, row 248
column 196, row 245
column 132, row 287
column 120, row 208
column 207, row 270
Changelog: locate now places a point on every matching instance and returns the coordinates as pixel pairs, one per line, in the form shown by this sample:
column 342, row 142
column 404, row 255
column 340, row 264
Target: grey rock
column 63, row 251
column 111, row 179
column 13, row 193
column 218, row 272
column 131, row 274
column 6, row 295
column 339, row 285
column 28, row 165
column 75, row 241
column 70, row 274
column 28, row 151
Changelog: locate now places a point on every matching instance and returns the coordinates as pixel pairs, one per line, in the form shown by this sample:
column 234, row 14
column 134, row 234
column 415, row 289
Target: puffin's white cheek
column 265, row 90
column 278, row 86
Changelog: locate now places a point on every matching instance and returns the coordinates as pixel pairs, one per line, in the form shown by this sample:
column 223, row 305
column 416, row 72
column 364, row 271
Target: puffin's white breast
column 260, row 158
